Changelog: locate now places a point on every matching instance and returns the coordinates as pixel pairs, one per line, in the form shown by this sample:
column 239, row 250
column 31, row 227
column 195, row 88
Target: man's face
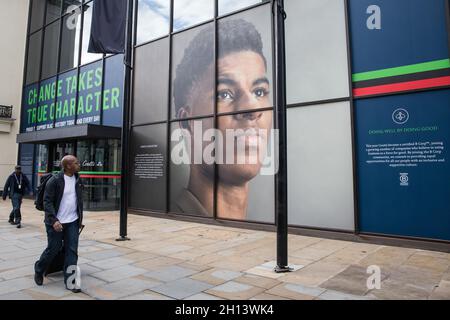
column 73, row 165
column 18, row 171
column 242, row 86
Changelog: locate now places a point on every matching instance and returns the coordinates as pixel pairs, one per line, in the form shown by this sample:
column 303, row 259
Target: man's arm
column 49, row 202
column 6, row 187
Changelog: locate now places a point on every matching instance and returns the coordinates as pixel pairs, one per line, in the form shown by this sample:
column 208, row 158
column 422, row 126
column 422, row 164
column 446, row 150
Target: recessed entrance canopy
column 85, row 131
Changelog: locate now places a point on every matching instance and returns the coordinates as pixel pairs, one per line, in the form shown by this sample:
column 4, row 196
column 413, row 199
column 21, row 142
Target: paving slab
column 182, row 288
column 232, row 290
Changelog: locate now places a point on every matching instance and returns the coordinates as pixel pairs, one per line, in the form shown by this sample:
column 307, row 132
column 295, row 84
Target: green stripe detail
column 93, row 172
column 399, row 71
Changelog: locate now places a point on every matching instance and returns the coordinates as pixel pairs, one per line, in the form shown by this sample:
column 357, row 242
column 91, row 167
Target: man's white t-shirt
column 67, row 212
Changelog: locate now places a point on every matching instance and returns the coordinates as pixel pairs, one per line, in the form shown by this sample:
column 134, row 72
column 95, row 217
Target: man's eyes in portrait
column 261, row 92
column 225, row 95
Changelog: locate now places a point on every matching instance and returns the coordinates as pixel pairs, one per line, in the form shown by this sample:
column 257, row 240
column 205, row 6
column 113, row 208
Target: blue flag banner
column 108, row 26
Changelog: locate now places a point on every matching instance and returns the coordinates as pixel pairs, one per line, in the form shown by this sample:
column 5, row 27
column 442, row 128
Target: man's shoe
column 38, row 278
column 19, row 225
column 11, row 221
column 74, row 290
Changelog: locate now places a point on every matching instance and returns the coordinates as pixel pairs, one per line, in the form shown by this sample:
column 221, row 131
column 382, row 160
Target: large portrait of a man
column 244, row 121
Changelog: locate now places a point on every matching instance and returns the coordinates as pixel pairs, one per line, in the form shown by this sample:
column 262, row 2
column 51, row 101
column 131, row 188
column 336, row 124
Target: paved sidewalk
column 169, row 259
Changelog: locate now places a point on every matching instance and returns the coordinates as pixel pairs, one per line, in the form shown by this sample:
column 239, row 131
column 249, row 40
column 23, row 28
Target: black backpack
column 39, row 201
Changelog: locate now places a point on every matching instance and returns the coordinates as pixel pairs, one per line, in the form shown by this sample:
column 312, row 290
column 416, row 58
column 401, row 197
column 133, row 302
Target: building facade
column 12, row 34
column 368, row 93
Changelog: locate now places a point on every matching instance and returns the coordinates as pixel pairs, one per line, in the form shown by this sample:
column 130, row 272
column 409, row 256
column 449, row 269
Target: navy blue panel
column 46, row 106
column 114, row 91
column 404, row 183
column 412, row 31
column 90, row 93
column 66, row 93
column 29, row 104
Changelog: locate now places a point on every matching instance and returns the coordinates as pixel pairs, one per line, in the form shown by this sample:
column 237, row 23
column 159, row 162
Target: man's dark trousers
column 16, row 200
column 55, row 240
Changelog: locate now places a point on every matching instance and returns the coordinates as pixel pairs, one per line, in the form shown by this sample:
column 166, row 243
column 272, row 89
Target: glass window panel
column 151, row 82
column 245, row 61
column 34, row 57
column 227, row 6
column 245, row 155
column 320, row 184
column 70, row 5
column 191, row 179
column 87, row 57
column 153, row 19
column 148, row 167
column 70, row 41
column 100, row 170
column 316, row 50
column 37, row 14
column 60, row 150
column 51, row 47
column 190, row 12
column 53, row 10
column 193, row 72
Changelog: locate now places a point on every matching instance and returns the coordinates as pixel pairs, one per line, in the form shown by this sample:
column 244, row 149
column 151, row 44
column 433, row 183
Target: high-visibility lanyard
column 19, row 183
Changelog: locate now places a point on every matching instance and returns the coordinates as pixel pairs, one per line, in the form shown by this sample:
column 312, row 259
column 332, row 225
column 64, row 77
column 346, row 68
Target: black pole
column 125, row 125
column 280, row 125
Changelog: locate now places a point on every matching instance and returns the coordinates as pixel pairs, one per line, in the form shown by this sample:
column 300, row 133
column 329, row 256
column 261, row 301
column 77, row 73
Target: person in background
column 16, row 187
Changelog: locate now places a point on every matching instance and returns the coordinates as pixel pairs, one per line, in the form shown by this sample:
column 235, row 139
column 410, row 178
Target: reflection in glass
column 37, row 15
column 227, row 6
column 60, row 150
column 190, row 12
column 53, row 10
column 87, row 57
column 151, row 76
column 193, row 72
column 320, row 166
column 153, row 19
column 70, row 5
column 50, row 55
column 316, row 50
column 70, row 41
column 34, row 57
column 100, row 170
column 42, row 159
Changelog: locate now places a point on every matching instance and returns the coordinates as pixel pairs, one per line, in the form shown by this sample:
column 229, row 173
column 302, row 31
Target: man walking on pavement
column 16, row 185
column 63, row 206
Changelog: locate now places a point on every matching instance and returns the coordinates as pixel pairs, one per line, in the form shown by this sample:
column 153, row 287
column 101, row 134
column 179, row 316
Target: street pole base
column 122, row 238
column 285, row 269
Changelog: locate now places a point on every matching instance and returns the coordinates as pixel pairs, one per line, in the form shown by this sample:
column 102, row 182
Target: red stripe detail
column 99, row 176
column 402, row 86
column 93, row 176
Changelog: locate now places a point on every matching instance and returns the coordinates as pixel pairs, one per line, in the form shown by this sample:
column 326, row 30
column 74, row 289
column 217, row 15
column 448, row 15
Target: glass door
column 100, row 171
column 60, row 150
